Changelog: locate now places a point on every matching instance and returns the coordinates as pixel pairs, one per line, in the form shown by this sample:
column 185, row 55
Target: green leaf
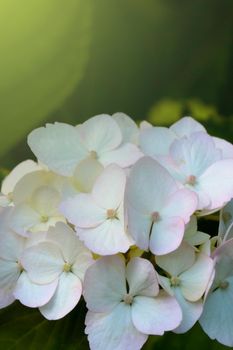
column 44, row 49
column 24, row 328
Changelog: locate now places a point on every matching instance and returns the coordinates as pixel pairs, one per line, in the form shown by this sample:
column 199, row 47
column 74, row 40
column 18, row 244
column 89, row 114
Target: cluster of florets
column 109, row 212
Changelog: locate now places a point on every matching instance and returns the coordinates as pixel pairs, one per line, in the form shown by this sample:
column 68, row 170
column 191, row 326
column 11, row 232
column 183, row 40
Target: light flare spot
column 191, row 180
column 128, row 299
column 175, row 281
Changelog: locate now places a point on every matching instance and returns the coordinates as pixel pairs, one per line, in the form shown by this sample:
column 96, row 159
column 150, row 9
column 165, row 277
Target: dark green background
column 152, row 59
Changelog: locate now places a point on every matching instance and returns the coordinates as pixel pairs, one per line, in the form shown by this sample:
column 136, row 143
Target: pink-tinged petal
column 23, row 219
column 191, row 312
column 6, row 297
column 113, row 330
column 217, row 182
column 186, row 126
column 149, row 186
column 31, row 294
column 178, row 261
column 139, row 226
column 11, row 244
column 17, row 173
column 225, row 146
column 66, row 297
column 154, row 315
column 166, row 235
column 182, row 203
column 124, row 156
column 9, row 273
column 107, row 238
column 129, row 128
column 58, row 146
column 107, row 275
column 195, row 280
column 100, row 134
column 141, row 277
column 82, row 211
column 43, row 262
column 108, row 190
column 156, row 141
column 68, row 242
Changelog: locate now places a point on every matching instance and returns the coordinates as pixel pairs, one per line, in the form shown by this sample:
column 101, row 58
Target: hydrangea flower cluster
column 109, row 212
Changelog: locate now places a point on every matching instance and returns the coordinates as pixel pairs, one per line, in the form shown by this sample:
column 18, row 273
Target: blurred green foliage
column 67, row 61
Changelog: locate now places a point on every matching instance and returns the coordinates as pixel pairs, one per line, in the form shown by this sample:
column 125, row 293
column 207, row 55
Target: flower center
column 44, row 219
column 224, row 285
column 93, row 155
column 128, row 299
column 67, row 267
column 20, row 266
column 191, row 180
column 175, row 281
column 155, row 216
column 111, row 214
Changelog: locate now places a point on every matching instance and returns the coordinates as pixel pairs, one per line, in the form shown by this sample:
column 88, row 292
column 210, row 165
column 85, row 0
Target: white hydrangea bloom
column 14, row 280
column 61, row 259
column 61, row 146
column 36, row 198
column 189, row 276
column 98, row 216
column 125, row 306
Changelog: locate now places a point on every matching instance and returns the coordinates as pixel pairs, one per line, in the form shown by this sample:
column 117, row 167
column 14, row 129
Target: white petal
column 217, row 317
column 82, row 211
column 191, row 312
column 100, row 134
column 149, row 186
column 182, row 203
column 67, row 240
column 156, row 141
column 65, row 299
column 43, row 262
column 124, row 156
column 11, row 244
column 45, row 200
column 108, row 190
column 6, row 297
column 195, row 280
column 217, row 182
column 154, row 316
column 186, row 126
column 114, row 330
column 86, row 174
column 9, row 273
column 166, row 235
column 107, row 276
column 141, row 277
column 225, row 146
column 16, row 174
column 24, row 219
column 107, row 238
column 139, row 226
column 57, row 146
column 129, row 128
column 178, row 261
column 31, row 294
